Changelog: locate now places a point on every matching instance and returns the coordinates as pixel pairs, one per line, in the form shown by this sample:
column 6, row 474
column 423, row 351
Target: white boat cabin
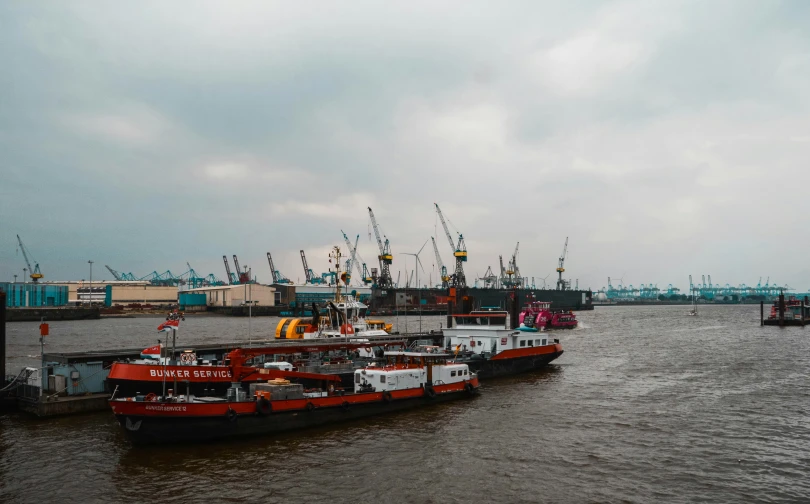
column 487, row 333
column 409, row 370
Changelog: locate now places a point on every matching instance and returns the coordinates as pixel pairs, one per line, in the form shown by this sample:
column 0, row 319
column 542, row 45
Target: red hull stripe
column 202, row 374
column 528, row 351
column 157, row 409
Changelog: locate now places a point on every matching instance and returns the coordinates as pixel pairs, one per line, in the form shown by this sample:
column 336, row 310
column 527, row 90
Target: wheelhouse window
column 452, row 373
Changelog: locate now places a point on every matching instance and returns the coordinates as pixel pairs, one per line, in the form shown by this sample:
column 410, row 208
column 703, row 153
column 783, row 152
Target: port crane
column 357, row 260
column 562, row 284
column 244, row 276
column 459, row 252
column 442, row 269
column 232, row 280
column 278, row 278
column 385, row 257
column 503, row 278
column 308, row 273
column 515, row 268
column 34, row 272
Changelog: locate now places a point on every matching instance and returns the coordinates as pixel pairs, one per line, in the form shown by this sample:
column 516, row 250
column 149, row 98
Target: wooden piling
column 2, row 338
column 781, row 309
column 762, row 313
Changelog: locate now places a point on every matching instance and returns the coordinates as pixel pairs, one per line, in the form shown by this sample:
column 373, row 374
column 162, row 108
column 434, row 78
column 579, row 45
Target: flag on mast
column 153, row 352
column 169, row 325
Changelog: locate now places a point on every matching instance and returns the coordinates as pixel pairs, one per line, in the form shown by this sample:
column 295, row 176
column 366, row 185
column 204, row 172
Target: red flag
column 169, row 325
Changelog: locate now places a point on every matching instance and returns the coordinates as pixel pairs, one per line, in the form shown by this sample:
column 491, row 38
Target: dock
column 795, row 313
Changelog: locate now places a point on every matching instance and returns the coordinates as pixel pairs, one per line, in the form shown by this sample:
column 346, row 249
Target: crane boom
column 228, row 270
column 114, row 273
column 34, row 272
column 385, row 257
column 243, row 276
column 307, row 272
column 442, row 270
column 272, row 268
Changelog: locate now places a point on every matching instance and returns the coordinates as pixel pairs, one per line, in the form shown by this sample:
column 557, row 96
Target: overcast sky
column 663, row 138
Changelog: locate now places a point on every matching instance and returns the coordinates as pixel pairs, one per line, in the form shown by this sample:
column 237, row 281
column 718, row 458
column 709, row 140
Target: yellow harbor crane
column 34, row 272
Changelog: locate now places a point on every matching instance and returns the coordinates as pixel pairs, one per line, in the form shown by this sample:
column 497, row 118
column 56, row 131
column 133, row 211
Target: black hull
column 162, row 430
column 130, row 388
column 506, row 367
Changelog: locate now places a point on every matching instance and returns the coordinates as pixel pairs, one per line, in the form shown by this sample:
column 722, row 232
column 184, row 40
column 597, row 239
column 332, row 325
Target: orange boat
column 408, row 379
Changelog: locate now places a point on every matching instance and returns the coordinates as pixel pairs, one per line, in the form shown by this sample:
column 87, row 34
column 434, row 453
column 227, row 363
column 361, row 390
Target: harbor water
column 646, row 405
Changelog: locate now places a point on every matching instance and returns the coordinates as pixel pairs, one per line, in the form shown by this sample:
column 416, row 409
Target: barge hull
column 494, row 368
column 153, row 430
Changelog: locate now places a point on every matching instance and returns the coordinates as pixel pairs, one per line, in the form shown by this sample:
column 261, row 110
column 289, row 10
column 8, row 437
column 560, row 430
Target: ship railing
column 346, row 367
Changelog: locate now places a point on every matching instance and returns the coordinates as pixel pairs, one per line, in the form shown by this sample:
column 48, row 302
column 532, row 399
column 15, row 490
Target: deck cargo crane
column 34, row 272
column 442, row 269
column 278, row 278
column 385, row 257
column 562, row 284
column 459, row 252
column 244, row 276
column 232, row 280
column 358, row 261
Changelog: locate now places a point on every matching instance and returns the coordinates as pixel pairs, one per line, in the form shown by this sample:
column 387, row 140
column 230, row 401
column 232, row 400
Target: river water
column 646, row 405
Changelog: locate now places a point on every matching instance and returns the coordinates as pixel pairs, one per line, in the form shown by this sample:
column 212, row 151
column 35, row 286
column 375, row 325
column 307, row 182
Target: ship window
column 452, row 373
column 357, row 378
column 523, row 342
column 531, row 342
column 479, row 343
column 544, row 342
column 382, row 378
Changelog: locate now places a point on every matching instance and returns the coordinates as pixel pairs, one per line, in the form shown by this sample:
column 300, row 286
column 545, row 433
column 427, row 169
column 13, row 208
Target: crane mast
column 459, row 252
column 34, row 272
column 442, row 270
column 562, row 284
column 385, row 257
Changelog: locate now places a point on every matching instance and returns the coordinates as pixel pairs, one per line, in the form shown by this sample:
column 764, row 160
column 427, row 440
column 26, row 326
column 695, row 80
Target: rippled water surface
column 646, row 405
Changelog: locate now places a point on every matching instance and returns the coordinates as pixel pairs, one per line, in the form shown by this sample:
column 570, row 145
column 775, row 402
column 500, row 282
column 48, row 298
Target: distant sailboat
column 694, row 311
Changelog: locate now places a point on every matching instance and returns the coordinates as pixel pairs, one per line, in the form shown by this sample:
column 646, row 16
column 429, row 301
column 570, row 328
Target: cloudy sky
column 663, row 138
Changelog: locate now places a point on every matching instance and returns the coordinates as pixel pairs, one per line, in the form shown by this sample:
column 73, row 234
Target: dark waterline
column 646, row 405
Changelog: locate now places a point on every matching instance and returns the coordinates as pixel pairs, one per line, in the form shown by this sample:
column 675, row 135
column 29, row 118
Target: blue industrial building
column 33, row 295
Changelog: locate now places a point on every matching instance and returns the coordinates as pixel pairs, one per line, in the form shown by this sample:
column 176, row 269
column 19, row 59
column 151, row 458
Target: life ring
column 345, row 406
column 231, row 415
column 151, row 396
column 469, row 388
column 387, row 396
column 263, row 406
column 430, row 392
